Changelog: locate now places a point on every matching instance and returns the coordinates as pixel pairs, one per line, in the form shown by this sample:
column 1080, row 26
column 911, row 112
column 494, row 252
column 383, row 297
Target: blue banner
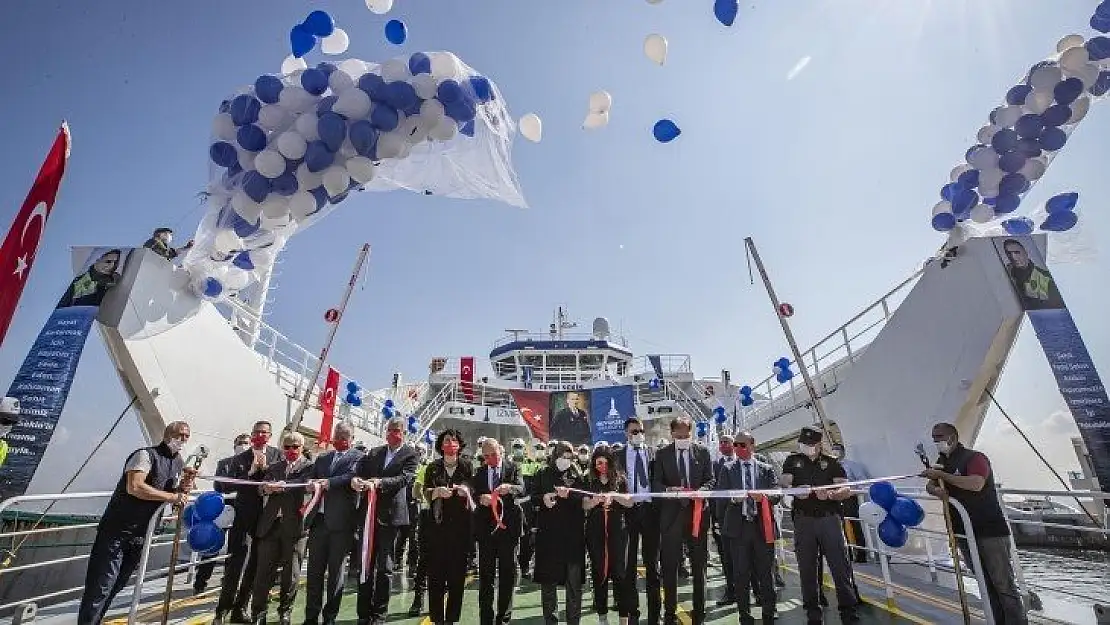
column 43, row 382
column 609, row 407
column 657, row 365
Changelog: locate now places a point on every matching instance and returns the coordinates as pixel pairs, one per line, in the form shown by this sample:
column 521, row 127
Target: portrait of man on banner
column 570, row 417
column 1036, row 288
column 100, row 272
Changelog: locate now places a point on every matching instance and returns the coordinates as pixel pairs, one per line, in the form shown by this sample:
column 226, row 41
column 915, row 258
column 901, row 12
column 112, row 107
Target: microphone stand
column 187, row 482
column 953, row 545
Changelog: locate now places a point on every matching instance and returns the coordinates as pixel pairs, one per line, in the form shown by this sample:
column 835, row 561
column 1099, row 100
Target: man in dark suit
column 223, row 469
column 746, row 528
column 331, row 526
column 239, row 579
column 498, row 531
column 642, row 519
column 572, row 423
column 682, row 466
column 725, row 444
column 280, row 538
column 390, row 470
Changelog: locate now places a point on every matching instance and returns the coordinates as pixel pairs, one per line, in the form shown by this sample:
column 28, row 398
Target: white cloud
column 798, row 67
column 1014, row 462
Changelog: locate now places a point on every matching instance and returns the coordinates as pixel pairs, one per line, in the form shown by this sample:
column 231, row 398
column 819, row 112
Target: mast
column 817, row 407
column 311, row 382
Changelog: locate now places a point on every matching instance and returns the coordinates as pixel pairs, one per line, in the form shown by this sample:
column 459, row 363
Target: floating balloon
column 335, row 43
column 319, row 24
column 665, row 131
column 1062, row 202
column 596, row 120
column 380, row 7
column 600, row 102
column 1059, row 221
column 396, row 32
column 1018, row 225
column 531, row 127
column 301, row 41
column 655, row 48
column 725, row 11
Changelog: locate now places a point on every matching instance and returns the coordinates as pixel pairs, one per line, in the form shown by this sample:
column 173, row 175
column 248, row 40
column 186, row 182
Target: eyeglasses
column 742, row 445
column 291, row 446
column 635, row 432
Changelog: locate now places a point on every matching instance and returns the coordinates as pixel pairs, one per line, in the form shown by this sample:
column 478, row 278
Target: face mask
column 450, row 448
column 682, row 444
column 394, row 438
column 563, row 464
column 175, row 444
column 602, row 468
column 292, row 454
column 5, row 430
column 258, row 441
column 342, row 444
column 584, row 457
column 518, row 454
column 809, row 450
column 943, row 447
column 744, row 453
column 493, row 461
column 241, row 448
column 726, row 450
column 638, row 440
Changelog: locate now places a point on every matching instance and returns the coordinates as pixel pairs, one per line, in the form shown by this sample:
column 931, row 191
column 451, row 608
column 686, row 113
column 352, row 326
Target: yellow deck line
column 890, row 609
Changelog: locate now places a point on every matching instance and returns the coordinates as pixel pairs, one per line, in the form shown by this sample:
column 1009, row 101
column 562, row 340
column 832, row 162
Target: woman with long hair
column 449, row 537
column 606, row 534
column 560, row 537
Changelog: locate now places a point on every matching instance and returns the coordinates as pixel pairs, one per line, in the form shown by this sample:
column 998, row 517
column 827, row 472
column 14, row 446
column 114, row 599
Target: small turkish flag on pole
column 327, row 405
column 22, row 242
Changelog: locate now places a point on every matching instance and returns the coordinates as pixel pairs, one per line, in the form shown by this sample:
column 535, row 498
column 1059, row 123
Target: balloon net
column 288, row 149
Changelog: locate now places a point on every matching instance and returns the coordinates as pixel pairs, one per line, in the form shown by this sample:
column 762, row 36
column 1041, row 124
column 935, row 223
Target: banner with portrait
column 1067, row 354
column 609, row 407
column 569, row 417
column 43, row 381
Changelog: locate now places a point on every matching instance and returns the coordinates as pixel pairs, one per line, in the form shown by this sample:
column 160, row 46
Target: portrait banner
column 609, row 407
column 570, row 417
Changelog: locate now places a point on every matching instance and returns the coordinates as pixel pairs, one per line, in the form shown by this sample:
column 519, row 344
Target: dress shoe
column 218, row 619
column 239, row 616
column 417, row 606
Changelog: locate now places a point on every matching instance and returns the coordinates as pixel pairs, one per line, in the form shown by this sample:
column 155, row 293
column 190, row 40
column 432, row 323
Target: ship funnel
column 601, row 328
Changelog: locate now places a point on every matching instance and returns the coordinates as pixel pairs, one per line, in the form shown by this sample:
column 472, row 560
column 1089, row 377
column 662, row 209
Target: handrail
column 427, row 414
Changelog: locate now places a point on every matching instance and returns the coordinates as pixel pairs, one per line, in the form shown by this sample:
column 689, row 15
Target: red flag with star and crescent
column 327, row 406
column 22, row 243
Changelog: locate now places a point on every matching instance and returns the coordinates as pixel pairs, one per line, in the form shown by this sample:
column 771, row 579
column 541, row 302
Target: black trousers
column 406, row 538
column 420, row 582
column 324, row 588
column 496, row 559
column 204, row 570
column 446, row 575
column 239, row 569
column 724, row 552
column 277, row 549
column 642, row 521
column 373, row 594
column 815, row 537
column 671, row 543
column 114, row 557
column 752, row 563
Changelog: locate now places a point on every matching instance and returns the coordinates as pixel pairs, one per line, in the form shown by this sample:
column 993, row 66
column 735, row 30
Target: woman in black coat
column 606, row 533
column 448, row 538
column 560, row 537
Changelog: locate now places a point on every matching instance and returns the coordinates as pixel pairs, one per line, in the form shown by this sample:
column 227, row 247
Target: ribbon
column 317, row 490
column 765, row 517
column 696, row 529
column 368, row 533
column 605, row 556
column 497, row 510
column 728, row 494
column 232, row 480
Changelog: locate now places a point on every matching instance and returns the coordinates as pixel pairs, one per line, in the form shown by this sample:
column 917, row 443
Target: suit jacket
column 512, row 516
column 248, row 499
column 699, row 476
column 396, row 482
column 649, row 464
column 570, row 426
column 731, row 514
column 337, row 501
column 718, row 467
column 288, row 502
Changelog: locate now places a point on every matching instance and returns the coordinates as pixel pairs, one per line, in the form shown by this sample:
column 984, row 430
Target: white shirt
column 494, row 471
column 389, row 453
column 683, row 455
column 630, row 464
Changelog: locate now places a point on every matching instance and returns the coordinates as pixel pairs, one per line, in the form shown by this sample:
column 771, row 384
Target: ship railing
column 530, row 337
column 427, row 414
column 671, row 364
column 839, row 349
column 150, row 542
column 696, row 410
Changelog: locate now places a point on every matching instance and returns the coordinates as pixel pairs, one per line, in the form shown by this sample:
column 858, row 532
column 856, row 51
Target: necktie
column 749, row 484
column 682, row 475
column 640, row 476
column 334, row 461
column 494, row 478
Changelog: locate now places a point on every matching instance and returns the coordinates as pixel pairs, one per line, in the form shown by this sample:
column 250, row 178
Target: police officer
column 9, row 417
column 817, row 524
column 149, row 480
column 528, row 468
column 424, row 516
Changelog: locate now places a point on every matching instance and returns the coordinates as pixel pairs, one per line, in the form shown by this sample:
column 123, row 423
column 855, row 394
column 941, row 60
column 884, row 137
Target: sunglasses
column 291, row 446
column 634, row 432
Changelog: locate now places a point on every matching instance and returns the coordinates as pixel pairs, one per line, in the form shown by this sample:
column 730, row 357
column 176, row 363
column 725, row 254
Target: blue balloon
column 1068, row 90
column 449, row 91
column 943, row 222
column 964, row 201
column 314, row 81
column 1056, row 115
column 1052, row 139
column 1007, row 203
column 352, row 387
column 746, row 401
column 725, row 11
column 969, row 179
column 1012, row 162
column 396, row 32
column 1018, row 225
column 243, row 261
column 1029, row 126
column 1004, row 140
column 1102, row 84
column 389, row 403
column 333, row 130
column 319, row 23
column 1017, row 94
column 746, row 390
column 402, row 96
column 1101, row 24
column 665, row 131
column 268, row 88
column 892, row 533
column 205, row 537
column 374, row 86
column 244, row 109
column 351, row 398
column 223, row 154
column 907, row 512
column 467, row 129
column 325, row 105
column 209, row 505
column 387, row 412
column 1029, row 148
column 301, row 40
column 1098, row 47
column 326, row 67
column 384, row 117
column 256, row 186
column 1059, row 222
column 1062, row 202
column 212, row 287
column 883, row 493
column 357, row 402
column 482, row 88
column 285, row 184
column 251, row 138
column 243, row 228
column 461, row 111
column 317, row 156
column 189, row 516
column 1011, row 184
column 948, row 192
column 1103, row 9
column 420, row 63
column 321, row 196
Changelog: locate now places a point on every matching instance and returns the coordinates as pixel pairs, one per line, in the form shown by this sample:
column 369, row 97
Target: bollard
column 25, row 613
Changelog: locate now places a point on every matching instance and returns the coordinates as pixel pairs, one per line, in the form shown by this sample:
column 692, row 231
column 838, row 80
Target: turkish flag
column 22, row 242
column 327, row 405
column 466, row 377
column 533, row 407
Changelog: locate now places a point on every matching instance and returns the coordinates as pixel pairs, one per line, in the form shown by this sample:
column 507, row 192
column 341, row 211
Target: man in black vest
column 149, row 479
column 497, row 531
column 967, row 477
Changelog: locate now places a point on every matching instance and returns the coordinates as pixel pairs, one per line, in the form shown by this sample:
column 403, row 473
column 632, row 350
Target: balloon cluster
column 206, row 519
column 288, row 147
column 702, row 429
column 719, row 415
column 354, row 397
column 319, row 26
column 1025, row 133
column 429, row 437
column 1060, row 216
column 389, row 409
column 781, row 369
column 746, row 395
column 891, row 513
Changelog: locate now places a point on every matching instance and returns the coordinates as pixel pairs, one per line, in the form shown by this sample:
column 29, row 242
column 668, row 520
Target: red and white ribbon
column 317, row 490
column 497, row 510
column 368, row 533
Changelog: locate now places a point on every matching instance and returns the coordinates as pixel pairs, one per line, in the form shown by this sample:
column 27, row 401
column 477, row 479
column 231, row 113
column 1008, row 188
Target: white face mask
column 563, row 464
column 682, row 444
column 809, row 450
column 943, row 447
column 175, row 444
column 584, row 457
column 5, row 429
column 638, row 440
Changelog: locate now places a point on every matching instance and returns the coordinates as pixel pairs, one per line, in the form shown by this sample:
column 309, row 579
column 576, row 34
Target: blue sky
column 833, row 172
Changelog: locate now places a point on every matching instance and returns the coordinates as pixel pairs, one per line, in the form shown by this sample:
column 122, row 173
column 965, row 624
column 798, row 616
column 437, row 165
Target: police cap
column 810, row 435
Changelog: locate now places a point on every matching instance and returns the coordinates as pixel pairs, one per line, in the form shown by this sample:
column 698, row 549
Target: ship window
column 561, row 361
column 591, row 361
column 531, row 360
column 504, row 367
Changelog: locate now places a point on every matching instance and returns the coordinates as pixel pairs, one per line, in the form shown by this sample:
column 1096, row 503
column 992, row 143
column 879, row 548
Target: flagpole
column 311, row 382
column 790, row 339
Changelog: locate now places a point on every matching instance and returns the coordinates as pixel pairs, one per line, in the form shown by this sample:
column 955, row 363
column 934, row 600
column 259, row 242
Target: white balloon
column 270, row 163
column 1007, row 116
column 292, row 64
column 227, row 517
column 353, row 103
column 420, row 129
column 1033, row 168
column 600, row 102
column 380, row 7
column 425, row 86
column 943, row 206
column 1073, row 59
column 391, row 145
column 335, row 43
column 275, row 224
column 1069, row 41
column 596, row 120
column 1045, row 78
column 989, row 179
column 355, row 68
column 235, row 279
column 340, row 82
column 291, row 144
column 394, row 70
column 655, row 48
column 1039, row 101
column 245, row 207
column 361, row 169
column 986, row 133
column 295, row 99
column 246, row 159
column 445, row 130
column 983, row 158
column 301, row 205
column 226, row 241
column 531, row 127
column 308, row 180
column 982, row 214
column 1079, row 109
column 223, row 127
column 959, row 170
column 275, row 206
column 444, row 65
column 871, row 513
column 1088, row 74
column 262, row 257
column 346, row 150
column 432, row 112
column 273, row 116
column 336, row 180
column 957, row 236
column 306, row 126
